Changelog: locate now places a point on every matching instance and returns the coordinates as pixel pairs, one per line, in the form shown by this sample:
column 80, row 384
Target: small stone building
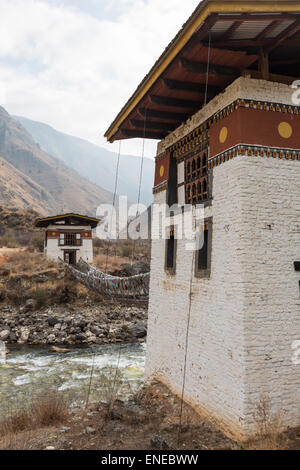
column 68, row 237
column 223, row 321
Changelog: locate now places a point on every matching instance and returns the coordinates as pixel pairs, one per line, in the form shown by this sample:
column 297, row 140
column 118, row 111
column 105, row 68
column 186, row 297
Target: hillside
column 32, row 179
column 93, row 162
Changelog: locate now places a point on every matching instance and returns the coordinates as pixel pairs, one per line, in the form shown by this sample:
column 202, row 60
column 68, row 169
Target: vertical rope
column 191, row 281
column 133, row 252
column 114, row 199
column 140, row 178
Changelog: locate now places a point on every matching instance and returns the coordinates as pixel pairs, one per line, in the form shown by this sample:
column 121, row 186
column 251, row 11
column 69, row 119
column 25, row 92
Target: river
column 30, row 372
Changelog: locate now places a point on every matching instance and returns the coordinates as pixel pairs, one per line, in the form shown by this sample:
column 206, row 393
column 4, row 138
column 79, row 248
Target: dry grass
column 42, row 412
column 50, row 410
column 23, row 261
column 113, row 264
column 269, row 435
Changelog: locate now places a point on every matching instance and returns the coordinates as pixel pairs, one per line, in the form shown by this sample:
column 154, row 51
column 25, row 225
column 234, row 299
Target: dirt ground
column 150, row 421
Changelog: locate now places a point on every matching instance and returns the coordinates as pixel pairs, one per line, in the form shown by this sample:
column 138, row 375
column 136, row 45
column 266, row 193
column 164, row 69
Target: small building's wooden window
column 196, row 178
column 170, row 257
column 203, row 253
column 70, row 239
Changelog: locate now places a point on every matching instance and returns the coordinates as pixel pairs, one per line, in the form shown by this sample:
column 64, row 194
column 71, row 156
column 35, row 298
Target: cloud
column 73, row 68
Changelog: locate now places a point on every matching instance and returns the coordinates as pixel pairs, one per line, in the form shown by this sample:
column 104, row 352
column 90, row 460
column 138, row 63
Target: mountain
column 30, row 178
column 95, row 163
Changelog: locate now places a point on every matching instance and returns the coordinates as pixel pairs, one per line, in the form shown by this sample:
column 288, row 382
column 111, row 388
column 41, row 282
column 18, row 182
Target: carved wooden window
column 70, row 239
column 196, row 178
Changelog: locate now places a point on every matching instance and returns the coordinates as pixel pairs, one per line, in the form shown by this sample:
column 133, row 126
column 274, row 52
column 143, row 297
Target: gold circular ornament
column 162, row 171
column 285, row 130
column 223, row 135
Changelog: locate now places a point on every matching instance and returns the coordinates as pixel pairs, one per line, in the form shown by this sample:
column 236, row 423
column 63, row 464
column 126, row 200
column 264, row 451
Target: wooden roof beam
column 164, row 115
column 190, row 87
column 231, row 30
column 175, row 102
column 150, row 125
column 293, row 28
column 141, row 134
column 267, row 30
column 202, row 31
column 214, row 69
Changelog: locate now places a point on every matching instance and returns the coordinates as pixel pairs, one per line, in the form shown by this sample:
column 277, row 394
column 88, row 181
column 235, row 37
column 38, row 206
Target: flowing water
column 30, row 372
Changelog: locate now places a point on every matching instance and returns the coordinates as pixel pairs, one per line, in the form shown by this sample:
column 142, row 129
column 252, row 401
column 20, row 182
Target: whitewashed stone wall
column 246, row 316
column 85, row 251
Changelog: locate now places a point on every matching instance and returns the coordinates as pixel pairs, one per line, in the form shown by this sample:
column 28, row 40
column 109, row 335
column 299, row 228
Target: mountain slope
column 95, row 163
column 30, row 178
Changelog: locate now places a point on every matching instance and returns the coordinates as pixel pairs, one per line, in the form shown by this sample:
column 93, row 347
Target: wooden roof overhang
column 68, row 219
column 257, row 38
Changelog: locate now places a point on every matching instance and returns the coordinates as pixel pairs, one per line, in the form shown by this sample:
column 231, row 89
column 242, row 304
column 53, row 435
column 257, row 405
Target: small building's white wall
column 245, row 318
column 54, row 251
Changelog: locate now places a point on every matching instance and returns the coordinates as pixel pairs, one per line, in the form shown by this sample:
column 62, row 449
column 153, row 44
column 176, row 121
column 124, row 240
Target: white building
column 225, row 320
column 68, row 237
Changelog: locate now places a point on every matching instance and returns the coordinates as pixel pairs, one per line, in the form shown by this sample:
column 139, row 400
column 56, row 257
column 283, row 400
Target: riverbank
column 148, row 420
column 86, row 322
column 41, row 304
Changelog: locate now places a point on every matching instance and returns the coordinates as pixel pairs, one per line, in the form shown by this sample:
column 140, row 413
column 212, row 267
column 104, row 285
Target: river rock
column 24, row 335
column 59, row 350
column 90, row 337
column 52, row 320
column 138, row 330
column 4, row 335
column 51, row 339
column 29, row 305
column 95, row 330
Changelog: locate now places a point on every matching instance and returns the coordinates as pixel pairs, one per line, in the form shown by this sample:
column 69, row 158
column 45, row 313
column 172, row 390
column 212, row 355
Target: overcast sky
column 74, row 63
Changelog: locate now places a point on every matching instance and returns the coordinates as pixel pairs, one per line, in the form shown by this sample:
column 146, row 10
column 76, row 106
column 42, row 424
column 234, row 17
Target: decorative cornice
column 199, row 137
column 161, row 187
column 255, row 151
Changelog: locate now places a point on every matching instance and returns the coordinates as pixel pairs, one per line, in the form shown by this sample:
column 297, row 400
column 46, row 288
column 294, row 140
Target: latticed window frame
column 196, row 177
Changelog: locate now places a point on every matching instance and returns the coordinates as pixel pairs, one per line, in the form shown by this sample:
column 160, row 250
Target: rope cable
column 114, row 199
column 133, row 252
column 140, row 178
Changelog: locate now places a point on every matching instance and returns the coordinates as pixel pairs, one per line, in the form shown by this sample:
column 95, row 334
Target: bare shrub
column 43, row 411
column 49, row 410
column 269, row 435
column 16, row 422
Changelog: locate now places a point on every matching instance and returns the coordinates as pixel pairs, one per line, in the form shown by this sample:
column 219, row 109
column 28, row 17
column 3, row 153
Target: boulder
column 138, row 267
column 52, row 320
column 59, row 350
column 24, row 335
column 95, row 330
column 51, row 339
column 29, row 305
column 137, row 330
column 4, row 335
